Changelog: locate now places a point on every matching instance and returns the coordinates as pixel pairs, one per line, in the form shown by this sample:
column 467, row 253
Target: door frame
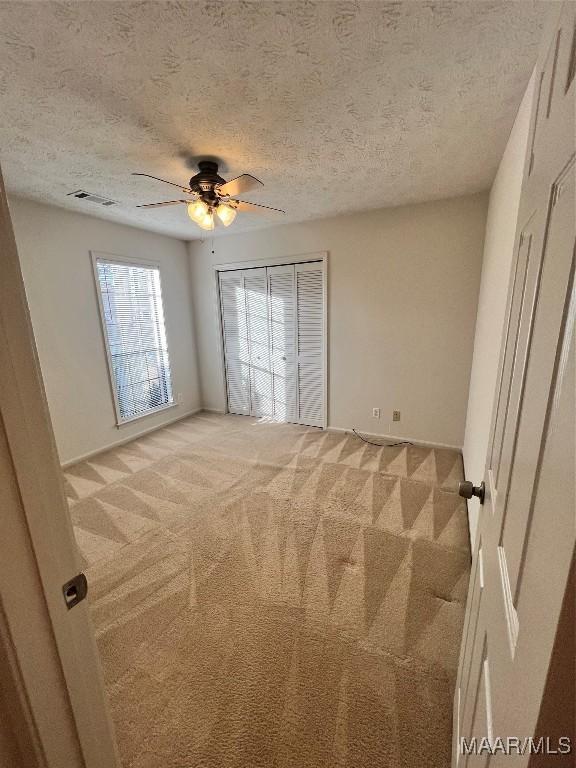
column 276, row 261
column 53, row 679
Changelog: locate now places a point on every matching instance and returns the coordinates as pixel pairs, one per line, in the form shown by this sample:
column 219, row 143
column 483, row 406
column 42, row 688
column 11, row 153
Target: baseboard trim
column 124, row 440
column 398, row 438
column 219, row 411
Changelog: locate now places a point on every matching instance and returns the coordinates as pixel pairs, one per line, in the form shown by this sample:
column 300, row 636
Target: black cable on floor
column 381, row 445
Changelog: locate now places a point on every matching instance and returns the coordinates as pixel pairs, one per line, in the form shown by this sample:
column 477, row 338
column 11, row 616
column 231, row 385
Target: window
column 133, row 322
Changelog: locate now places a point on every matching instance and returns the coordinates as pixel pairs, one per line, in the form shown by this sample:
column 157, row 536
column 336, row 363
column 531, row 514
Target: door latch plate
column 75, row 590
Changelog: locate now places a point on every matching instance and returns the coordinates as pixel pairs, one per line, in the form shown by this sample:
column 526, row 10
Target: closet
column 273, row 333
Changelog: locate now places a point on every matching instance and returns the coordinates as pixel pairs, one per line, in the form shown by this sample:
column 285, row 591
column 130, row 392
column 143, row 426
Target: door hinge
column 75, row 590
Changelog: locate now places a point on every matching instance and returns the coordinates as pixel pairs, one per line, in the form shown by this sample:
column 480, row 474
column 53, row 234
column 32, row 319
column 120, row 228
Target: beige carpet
column 274, row 595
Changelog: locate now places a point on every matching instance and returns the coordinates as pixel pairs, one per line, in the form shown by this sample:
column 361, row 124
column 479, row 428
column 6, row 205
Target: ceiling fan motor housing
column 205, row 182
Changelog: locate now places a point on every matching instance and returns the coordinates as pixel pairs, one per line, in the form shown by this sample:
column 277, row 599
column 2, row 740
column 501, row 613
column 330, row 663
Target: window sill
column 153, row 412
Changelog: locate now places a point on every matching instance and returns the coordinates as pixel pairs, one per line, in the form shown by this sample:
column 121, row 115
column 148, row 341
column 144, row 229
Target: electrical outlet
column 179, row 397
column 376, row 413
column 395, row 415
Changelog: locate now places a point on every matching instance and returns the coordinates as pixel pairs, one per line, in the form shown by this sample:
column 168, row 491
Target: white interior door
column 235, row 341
column 55, row 690
column 273, row 328
column 282, row 298
column 526, row 533
column 256, row 290
column 310, row 290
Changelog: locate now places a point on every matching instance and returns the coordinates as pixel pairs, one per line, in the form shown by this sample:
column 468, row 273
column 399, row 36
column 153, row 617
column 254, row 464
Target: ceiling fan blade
column 242, row 205
column 157, row 178
column 159, row 205
column 240, row 184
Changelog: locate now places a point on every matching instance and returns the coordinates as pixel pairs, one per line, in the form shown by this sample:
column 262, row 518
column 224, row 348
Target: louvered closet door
column 310, row 343
column 256, row 291
column 282, row 308
column 235, row 337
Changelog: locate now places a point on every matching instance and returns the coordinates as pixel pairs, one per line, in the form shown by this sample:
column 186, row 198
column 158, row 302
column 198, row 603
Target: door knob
column 466, row 489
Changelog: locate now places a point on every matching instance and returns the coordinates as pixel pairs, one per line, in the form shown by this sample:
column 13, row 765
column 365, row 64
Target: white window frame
column 99, row 256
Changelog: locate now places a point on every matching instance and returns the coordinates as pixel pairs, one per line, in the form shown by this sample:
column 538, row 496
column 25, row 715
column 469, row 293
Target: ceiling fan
column 211, row 194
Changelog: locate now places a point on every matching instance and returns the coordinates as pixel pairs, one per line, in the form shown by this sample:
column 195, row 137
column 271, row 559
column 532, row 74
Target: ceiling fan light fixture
column 198, row 210
column 207, row 221
column 226, row 214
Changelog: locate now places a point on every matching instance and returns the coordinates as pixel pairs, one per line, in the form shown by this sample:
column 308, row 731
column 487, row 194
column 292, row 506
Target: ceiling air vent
column 90, row 198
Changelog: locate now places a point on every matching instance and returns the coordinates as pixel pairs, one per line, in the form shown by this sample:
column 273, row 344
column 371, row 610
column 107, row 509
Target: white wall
column 54, row 246
column 496, row 266
column 403, row 288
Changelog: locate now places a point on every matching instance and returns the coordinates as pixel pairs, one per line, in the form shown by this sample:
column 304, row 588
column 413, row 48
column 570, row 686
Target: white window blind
column 133, row 322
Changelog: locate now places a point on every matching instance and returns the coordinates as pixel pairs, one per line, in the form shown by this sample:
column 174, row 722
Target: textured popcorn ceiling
column 336, row 106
